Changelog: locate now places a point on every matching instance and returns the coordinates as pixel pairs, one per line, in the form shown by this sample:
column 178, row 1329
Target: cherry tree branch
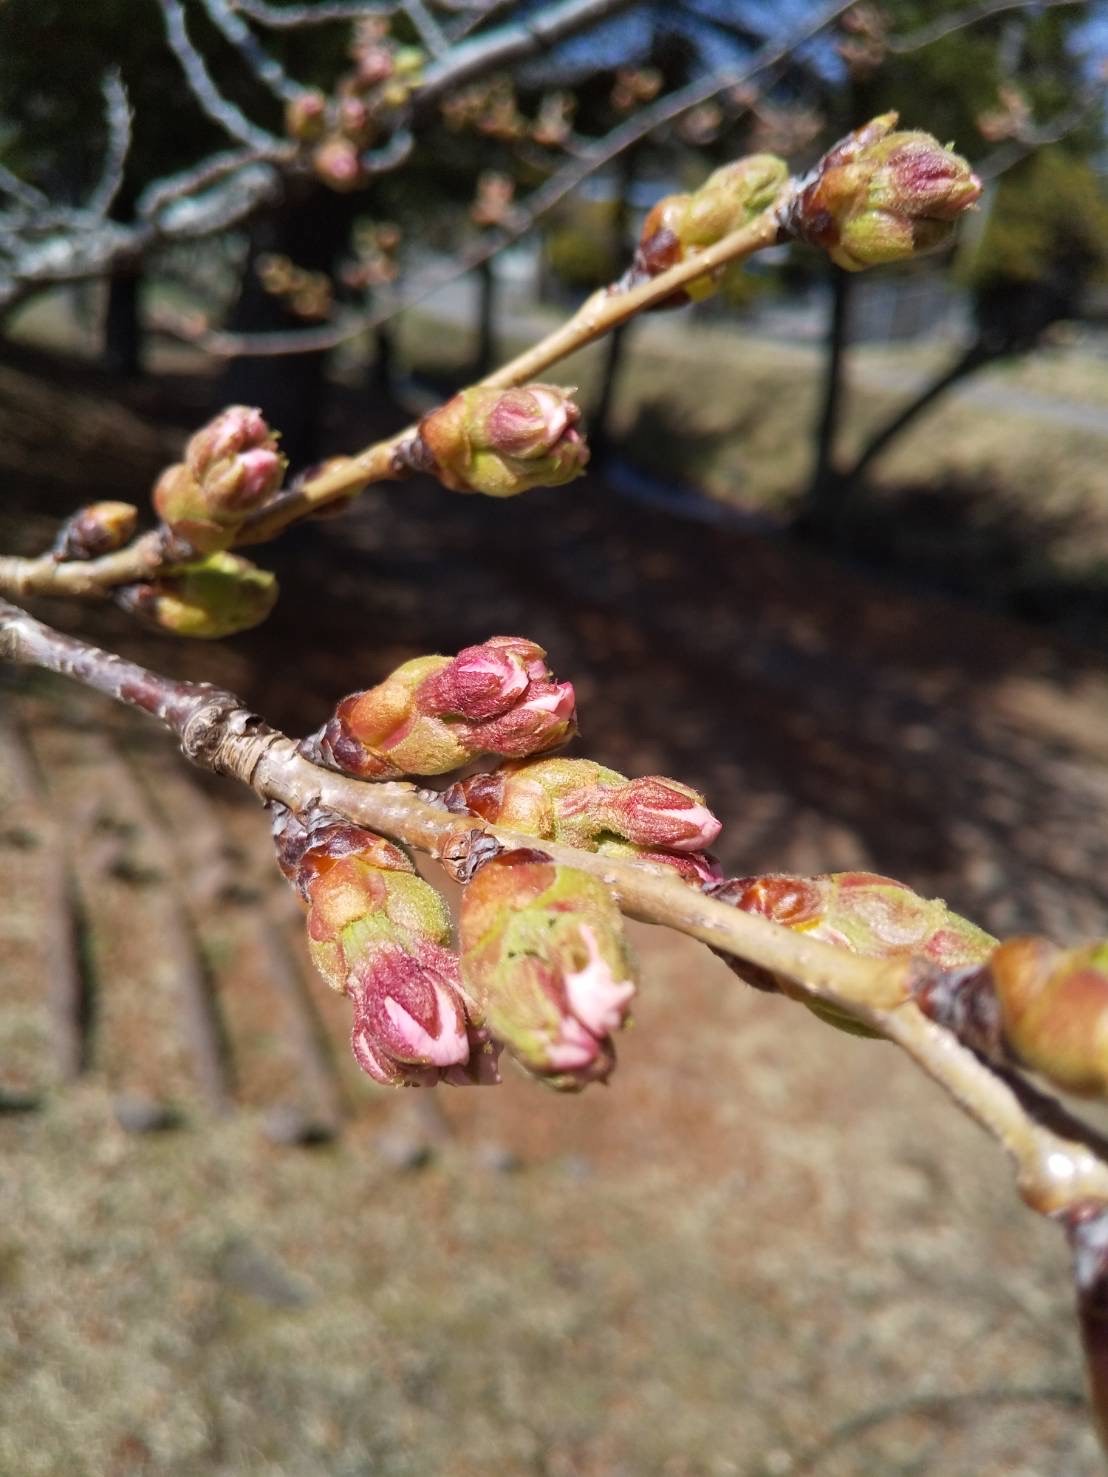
column 343, row 477
column 1057, row 1174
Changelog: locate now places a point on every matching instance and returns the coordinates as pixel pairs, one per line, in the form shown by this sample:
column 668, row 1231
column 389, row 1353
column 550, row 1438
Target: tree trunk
column 312, row 230
column 826, row 488
column 123, row 336
column 486, row 355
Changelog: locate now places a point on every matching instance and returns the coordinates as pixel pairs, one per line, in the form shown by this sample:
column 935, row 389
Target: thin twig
column 117, row 114
column 947, row 24
column 233, row 122
column 296, row 17
column 1055, row 1174
column 263, row 67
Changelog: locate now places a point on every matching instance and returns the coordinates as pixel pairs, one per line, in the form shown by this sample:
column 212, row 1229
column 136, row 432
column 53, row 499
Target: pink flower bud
column 231, row 467
column 657, row 812
column 409, row 1021
column 414, row 722
column 337, row 164
column 503, row 442
column 545, row 959
column 881, row 196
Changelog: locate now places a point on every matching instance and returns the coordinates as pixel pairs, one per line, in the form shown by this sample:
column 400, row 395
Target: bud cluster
column 583, row 804
column 231, row 468
column 502, row 442
column 679, row 227
column 338, row 130
column 381, row 935
column 545, row 959
column 436, row 713
column 861, row 912
column 881, row 196
column 220, row 595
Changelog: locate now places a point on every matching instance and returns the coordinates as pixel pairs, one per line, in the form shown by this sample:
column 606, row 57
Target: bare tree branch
column 117, row 112
column 263, row 67
column 945, row 25
column 296, row 17
column 218, row 108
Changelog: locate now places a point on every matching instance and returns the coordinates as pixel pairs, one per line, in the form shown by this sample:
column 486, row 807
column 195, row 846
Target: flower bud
column 881, row 196
column 306, row 116
column 216, row 596
column 99, row 529
column 582, row 803
column 337, row 164
column 380, row 934
column 680, row 226
column 1054, row 1010
column 436, row 713
column 545, row 958
column 860, row 912
column 503, row 442
column 231, row 467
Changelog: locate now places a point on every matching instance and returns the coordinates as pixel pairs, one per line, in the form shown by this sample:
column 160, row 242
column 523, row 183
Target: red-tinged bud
column 213, row 597
column 356, row 121
column 697, row 868
column 373, row 65
column 415, row 721
column 231, row 467
column 409, row 1020
column 99, row 529
column 483, row 681
column 681, row 226
column 545, row 958
column 881, row 196
column 503, row 442
column 861, row 912
column 306, row 116
column 337, row 164
column 655, row 812
column 1054, row 1010
column 307, row 848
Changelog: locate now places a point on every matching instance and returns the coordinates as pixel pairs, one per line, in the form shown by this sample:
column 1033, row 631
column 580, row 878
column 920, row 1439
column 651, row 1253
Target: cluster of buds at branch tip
column 99, row 529
column 501, row 442
column 545, row 958
column 1032, row 1004
column 583, row 804
column 436, row 713
column 881, row 196
column 381, row 935
column 231, row 469
column 681, row 226
column 220, row 595
column 858, row 911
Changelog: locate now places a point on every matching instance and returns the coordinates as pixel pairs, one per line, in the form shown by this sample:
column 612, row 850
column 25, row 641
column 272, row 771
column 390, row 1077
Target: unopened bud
column 213, row 597
column 231, row 467
column 99, row 529
column 680, row 226
column 380, row 934
column 1054, row 1010
column 306, row 116
column 581, row 803
column 436, row 713
column 545, row 958
column 858, row 911
column 882, row 196
column 502, row 442
column 337, row 164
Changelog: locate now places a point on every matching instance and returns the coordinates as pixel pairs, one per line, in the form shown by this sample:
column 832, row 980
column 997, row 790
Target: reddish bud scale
column 436, row 713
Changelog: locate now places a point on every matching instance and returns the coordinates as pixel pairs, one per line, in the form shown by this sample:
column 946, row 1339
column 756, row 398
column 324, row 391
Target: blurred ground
column 767, row 1249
